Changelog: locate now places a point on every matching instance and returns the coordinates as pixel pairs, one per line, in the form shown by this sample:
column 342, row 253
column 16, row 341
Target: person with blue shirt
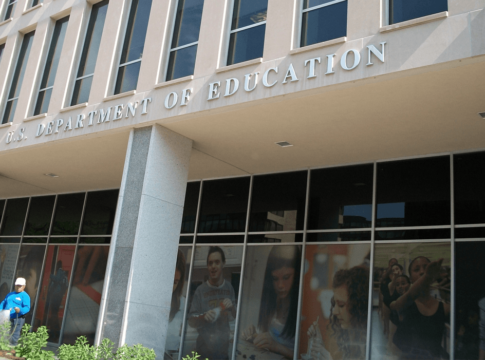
column 18, row 302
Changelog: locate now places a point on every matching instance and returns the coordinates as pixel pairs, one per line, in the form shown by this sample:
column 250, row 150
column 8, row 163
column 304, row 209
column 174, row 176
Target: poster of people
column 269, row 303
column 335, row 302
column 212, row 301
column 411, row 308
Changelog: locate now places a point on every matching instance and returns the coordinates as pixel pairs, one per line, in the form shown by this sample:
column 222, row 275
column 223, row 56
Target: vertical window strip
column 2, row 48
column 50, row 70
column 10, row 9
column 18, row 77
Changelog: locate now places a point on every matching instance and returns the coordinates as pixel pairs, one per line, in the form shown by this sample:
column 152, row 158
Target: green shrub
column 31, row 343
column 194, row 356
column 5, row 336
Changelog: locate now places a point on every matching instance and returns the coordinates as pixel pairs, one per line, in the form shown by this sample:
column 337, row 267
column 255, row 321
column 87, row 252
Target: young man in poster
column 211, row 309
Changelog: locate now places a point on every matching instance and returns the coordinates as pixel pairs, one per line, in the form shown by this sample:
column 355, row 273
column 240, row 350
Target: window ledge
column 33, row 8
column 73, row 107
column 176, row 81
column 5, row 125
column 6, row 21
column 414, row 22
column 35, row 117
column 239, row 65
column 117, row 96
column 319, row 45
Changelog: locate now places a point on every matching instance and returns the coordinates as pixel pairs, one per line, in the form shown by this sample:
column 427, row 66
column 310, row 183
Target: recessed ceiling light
column 283, row 143
column 52, row 175
column 482, row 115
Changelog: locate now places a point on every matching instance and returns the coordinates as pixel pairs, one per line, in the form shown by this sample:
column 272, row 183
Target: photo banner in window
column 213, row 294
column 8, row 258
column 410, row 319
column 335, row 302
column 269, row 303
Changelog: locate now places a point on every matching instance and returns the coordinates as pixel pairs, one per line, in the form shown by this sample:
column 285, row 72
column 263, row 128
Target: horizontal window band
column 84, row 77
column 130, row 62
column 47, row 88
column 184, row 46
column 323, row 5
column 248, row 27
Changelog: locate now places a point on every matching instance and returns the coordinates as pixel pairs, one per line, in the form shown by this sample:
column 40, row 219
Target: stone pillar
column 136, row 299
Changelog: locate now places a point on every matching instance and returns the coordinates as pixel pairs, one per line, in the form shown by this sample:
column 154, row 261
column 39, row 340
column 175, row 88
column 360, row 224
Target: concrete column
column 138, row 286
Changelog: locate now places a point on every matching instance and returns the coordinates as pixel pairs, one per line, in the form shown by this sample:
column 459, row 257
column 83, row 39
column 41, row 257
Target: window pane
column 469, row 177
column 419, row 333
column 421, row 234
column 190, row 207
column 63, row 240
column 336, row 275
column 127, row 78
column 413, row 192
column 177, row 305
column 9, row 240
column 95, row 240
column 34, row 240
column 2, row 48
column 68, row 214
column 13, row 222
column 187, row 23
column 470, row 233
column 2, row 207
column 246, row 45
column 21, row 65
column 43, row 100
column 136, row 31
column 311, row 3
column 53, row 294
column 403, row 10
column 261, row 305
column 220, row 239
column 278, row 202
column 248, row 12
column 40, row 215
column 9, row 111
column 82, row 90
column 181, row 63
column 341, row 198
column 224, row 206
column 29, row 267
column 85, row 297
column 35, row 2
column 8, row 260
column 216, row 275
column 9, row 12
column 324, row 24
column 100, row 212
column 186, row 240
column 339, row 236
column 275, row 238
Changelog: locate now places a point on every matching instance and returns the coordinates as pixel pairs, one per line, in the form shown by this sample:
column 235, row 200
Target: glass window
column 2, row 48
column 10, row 9
column 419, row 234
column 14, row 218
column 53, row 293
column 269, row 301
column 50, row 70
column 8, row 260
column 413, row 192
column 322, row 21
column 275, row 238
column 470, row 233
column 63, row 240
column 247, row 30
column 100, row 212
column 335, row 302
column 133, row 45
column 220, row 239
column 339, row 236
column 40, row 215
column 185, row 39
column 190, row 207
column 224, row 206
column 403, row 10
column 95, row 240
column 186, row 240
column 341, row 198
column 85, row 296
column 18, row 77
column 2, row 208
column 278, row 202
column 34, row 240
column 420, row 319
column 85, row 73
column 213, row 293
column 35, row 2
column 68, row 214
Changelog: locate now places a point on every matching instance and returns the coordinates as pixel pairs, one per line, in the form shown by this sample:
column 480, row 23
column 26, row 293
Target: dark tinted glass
column 278, row 202
column 53, row 294
column 14, row 218
column 100, row 212
column 275, row 238
column 341, row 198
column 95, row 240
column 85, row 296
column 127, row 78
column 9, row 111
column 311, row 3
column 248, row 12
column 339, row 236
column 190, row 207
column 403, row 10
column 136, row 30
column 34, row 240
column 470, row 233
column 43, row 100
column 421, row 234
column 324, row 24
column 9, row 240
column 2, row 48
column 40, row 215
column 186, row 240
column 9, row 12
column 82, row 90
column 413, row 192
column 68, row 214
column 2, row 207
column 246, row 45
column 221, row 239
column 63, row 240
column 8, row 260
column 181, row 63
column 469, row 178
column 187, row 22
column 224, row 206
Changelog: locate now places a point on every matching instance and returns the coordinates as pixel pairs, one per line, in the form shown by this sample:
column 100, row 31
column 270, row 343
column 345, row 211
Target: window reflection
column 403, row 10
column 14, row 218
column 40, row 215
column 8, row 258
column 100, row 212
column 190, row 207
column 68, row 214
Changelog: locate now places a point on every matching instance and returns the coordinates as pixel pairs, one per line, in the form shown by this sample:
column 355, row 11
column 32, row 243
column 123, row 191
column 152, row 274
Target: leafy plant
column 194, row 356
column 134, row 352
column 5, row 336
column 80, row 350
column 31, row 343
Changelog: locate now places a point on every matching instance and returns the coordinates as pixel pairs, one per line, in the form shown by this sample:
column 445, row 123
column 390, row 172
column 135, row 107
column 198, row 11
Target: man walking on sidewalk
column 18, row 302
